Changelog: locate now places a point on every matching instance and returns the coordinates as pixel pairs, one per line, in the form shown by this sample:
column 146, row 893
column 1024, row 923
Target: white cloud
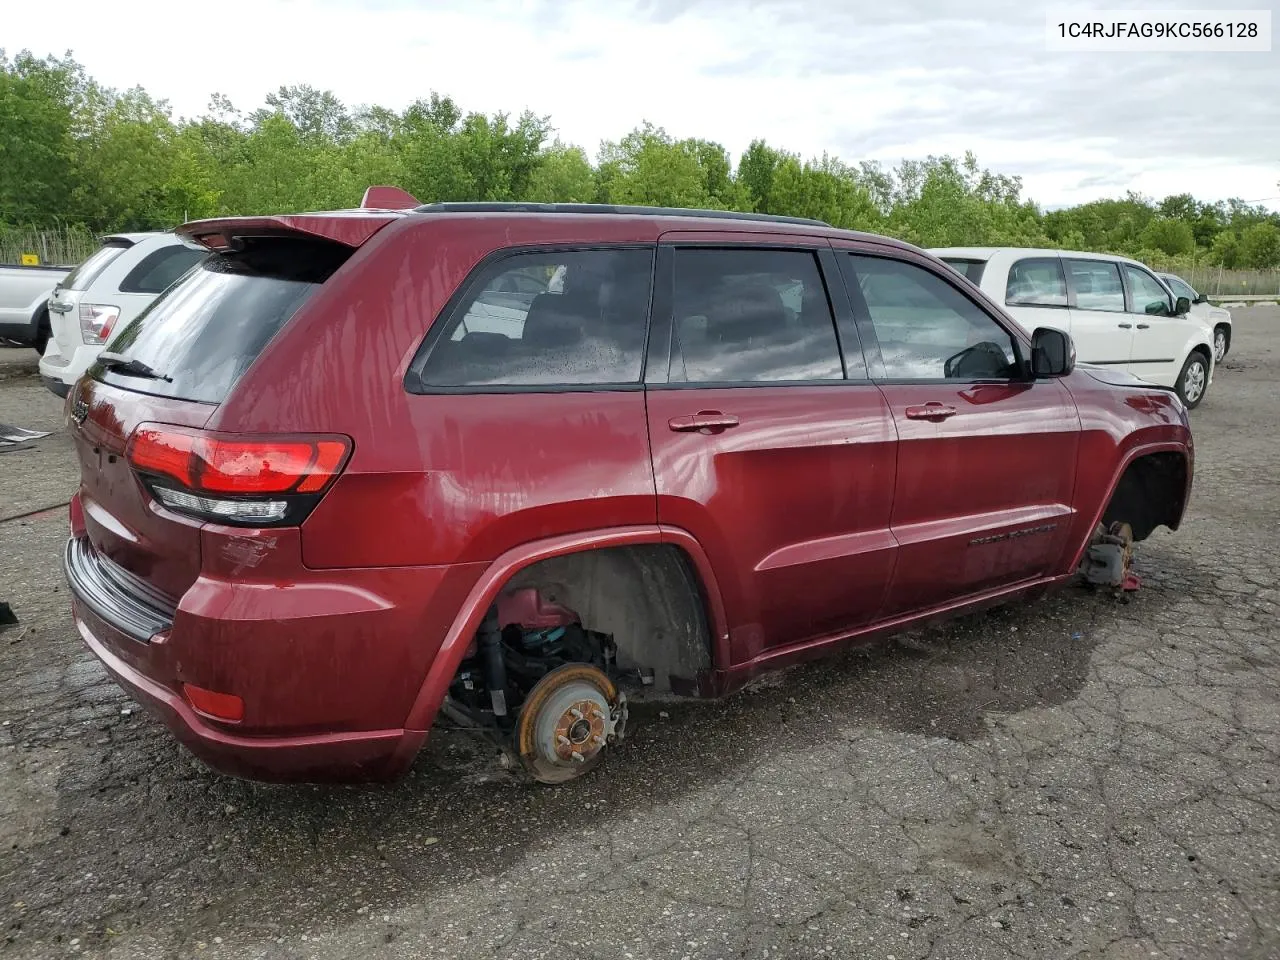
column 863, row 81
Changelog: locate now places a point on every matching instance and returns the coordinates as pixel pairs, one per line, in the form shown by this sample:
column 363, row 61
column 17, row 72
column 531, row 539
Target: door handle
column 1125, row 326
column 704, row 421
column 1144, row 326
column 933, row 411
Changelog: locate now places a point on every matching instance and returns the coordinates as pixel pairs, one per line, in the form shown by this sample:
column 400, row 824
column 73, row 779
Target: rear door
column 773, row 455
column 986, row 456
column 198, row 338
column 1100, row 327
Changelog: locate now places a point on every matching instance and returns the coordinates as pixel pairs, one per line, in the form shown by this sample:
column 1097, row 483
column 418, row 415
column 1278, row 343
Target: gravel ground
column 1073, row 778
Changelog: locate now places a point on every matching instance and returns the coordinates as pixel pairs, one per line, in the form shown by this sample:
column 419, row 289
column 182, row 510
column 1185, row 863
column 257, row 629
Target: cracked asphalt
column 1075, row 777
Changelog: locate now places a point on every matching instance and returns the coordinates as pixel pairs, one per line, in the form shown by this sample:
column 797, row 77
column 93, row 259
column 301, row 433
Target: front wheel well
column 648, row 596
column 1151, row 493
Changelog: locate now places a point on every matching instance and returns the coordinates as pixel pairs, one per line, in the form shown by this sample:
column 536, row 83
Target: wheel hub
column 567, row 720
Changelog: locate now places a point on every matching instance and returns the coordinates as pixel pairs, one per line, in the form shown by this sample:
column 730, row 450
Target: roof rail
column 608, row 208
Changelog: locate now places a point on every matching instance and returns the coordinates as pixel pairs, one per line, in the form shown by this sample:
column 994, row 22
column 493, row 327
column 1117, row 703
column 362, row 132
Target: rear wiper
column 130, row 367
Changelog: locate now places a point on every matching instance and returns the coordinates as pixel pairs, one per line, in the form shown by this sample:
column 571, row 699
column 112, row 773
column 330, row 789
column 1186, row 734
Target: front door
column 986, row 456
column 777, row 462
column 1159, row 337
column 1100, row 326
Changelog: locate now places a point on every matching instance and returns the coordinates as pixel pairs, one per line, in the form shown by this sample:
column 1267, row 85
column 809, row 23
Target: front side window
column 751, row 316
column 1036, row 282
column 1146, row 294
column 574, row 318
column 1097, row 285
column 926, row 328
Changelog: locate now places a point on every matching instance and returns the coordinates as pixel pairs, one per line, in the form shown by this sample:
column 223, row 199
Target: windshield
column 202, row 334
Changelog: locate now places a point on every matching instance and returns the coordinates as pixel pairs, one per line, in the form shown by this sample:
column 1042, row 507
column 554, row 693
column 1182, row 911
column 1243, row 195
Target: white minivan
column 103, row 294
column 1116, row 310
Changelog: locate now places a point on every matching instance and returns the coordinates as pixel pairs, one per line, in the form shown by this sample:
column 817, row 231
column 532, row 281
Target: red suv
column 507, row 462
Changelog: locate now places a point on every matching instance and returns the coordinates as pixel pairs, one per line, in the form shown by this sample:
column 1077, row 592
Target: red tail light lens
column 240, row 466
column 243, row 480
column 226, row 707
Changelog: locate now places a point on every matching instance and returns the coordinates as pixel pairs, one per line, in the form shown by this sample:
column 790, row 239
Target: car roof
column 986, row 253
column 353, row 227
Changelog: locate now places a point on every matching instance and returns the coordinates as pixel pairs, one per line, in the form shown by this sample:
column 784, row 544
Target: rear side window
column 161, row 268
column 575, row 318
column 743, row 316
column 1038, row 282
column 204, row 332
column 1096, row 284
column 969, row 269
column 91, row 269
column 926, row 328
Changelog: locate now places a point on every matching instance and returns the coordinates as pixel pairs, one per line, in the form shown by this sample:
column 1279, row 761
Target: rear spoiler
column 380, row 206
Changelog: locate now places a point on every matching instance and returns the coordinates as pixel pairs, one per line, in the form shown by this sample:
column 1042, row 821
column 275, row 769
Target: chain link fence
column 62, row 246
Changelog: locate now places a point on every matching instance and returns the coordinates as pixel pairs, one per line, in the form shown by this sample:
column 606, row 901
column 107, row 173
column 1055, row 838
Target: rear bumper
column 365, row 755
column 150, row 649
column 57, row 367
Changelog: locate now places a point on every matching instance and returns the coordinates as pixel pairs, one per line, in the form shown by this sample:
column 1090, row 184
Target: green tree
column 1260, row 246
column 1170, row 236
column 563, row 175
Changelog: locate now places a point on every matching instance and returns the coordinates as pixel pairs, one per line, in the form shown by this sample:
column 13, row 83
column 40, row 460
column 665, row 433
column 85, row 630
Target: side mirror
column 1053, row 354
column 1201, row 298
column 1181, row 307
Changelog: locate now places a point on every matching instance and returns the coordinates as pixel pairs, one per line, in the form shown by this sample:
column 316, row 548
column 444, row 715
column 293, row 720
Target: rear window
column 90, row 269
column 159, row 269
column 204, row 332
column 970, row 269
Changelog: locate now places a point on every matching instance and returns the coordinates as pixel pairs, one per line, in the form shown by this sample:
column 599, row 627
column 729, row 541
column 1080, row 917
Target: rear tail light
column 97, row 321
column 250, row 480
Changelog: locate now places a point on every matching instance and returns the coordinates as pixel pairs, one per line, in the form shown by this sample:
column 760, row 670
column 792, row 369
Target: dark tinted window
column 161, row 268
column 206, row 331
column 1097, row 285
column 751, row 315
column 1036, row 281
column 972, row 269
column 1179, row 287
column 1146, row 293
column 89, row 270
column 548, row 319
column 926, row 328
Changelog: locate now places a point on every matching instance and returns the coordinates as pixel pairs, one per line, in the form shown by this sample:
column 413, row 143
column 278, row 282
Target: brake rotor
column 567, row 720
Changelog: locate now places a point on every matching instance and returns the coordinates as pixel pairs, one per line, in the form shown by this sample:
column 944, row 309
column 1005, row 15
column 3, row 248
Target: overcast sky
column 861, row 79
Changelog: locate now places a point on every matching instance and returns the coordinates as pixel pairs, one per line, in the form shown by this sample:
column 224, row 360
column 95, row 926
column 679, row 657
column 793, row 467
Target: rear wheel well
column 1150, row 494
column 648, row 596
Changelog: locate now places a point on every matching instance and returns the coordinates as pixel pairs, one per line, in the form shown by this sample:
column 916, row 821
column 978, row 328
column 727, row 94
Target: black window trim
column 470, row 286
column 1130, row 305
column 871, row 343
column 1062, row 270
column 1071, row 285
column 661, row 327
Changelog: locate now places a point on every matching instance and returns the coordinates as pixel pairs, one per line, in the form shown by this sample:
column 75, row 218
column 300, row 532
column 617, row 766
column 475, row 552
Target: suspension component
column 1108, row 561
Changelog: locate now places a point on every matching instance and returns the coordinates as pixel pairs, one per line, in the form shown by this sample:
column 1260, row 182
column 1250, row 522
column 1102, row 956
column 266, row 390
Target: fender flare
column 467, row 621
column 1141, row 450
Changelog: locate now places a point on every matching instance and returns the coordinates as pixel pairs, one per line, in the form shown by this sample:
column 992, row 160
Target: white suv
column 1116, row 310
column 103, row 294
